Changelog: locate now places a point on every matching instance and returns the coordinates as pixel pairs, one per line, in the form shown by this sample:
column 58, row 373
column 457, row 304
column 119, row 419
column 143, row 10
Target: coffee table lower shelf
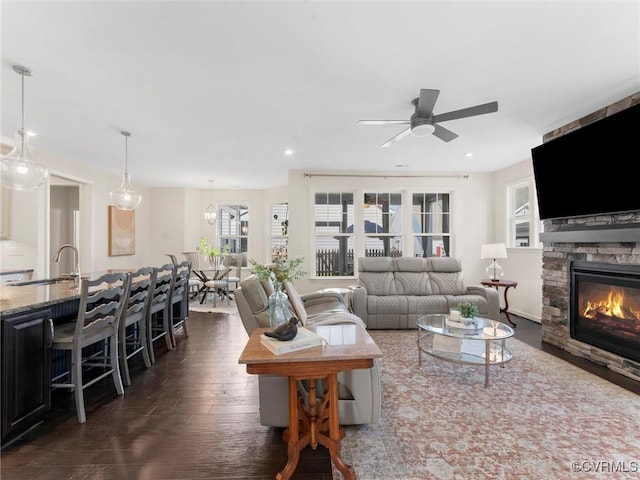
column 495, row 352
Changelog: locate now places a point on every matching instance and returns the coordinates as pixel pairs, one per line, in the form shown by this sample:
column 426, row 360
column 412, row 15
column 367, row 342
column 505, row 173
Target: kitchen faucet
column 76, row 267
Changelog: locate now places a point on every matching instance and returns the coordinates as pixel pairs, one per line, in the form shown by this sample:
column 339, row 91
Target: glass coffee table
column 482, row 344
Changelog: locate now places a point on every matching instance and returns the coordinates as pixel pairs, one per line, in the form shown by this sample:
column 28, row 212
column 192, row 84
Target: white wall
column 524, row 265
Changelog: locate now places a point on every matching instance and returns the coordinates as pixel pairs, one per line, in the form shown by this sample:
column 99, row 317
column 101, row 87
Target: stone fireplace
column 605, row 307
column 578, row 250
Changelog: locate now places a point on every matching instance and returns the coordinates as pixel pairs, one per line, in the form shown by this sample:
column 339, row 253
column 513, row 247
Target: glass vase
column 278, row 307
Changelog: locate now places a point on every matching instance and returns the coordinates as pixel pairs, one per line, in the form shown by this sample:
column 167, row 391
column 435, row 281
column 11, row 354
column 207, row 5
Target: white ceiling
column 218, row 90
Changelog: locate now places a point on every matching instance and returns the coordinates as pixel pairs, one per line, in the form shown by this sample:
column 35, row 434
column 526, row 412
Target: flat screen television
column 592, row 170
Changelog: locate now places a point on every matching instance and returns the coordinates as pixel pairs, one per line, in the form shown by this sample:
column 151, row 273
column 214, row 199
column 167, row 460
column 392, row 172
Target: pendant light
column 210, row 214
column 125, row 198
column 19, row 170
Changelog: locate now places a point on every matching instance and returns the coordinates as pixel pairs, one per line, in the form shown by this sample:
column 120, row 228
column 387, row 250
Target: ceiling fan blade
column 444, row 134
column 399, row 136
column 426, row 102
column 383, row 122
column 467, row 112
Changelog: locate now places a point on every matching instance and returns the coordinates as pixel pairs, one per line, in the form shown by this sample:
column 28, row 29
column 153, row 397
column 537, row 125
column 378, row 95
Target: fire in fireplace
column 605, row 307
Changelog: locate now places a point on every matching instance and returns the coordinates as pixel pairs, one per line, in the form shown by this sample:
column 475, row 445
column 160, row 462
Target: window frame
column 358, row 236
column 531, row 217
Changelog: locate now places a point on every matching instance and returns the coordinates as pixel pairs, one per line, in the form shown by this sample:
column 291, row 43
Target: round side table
column 506, row 284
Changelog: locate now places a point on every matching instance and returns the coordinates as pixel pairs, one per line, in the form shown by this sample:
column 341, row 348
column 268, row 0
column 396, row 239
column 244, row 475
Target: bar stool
column 133, row 339
column 158, row 312
column 92, row 340
column 179, row 303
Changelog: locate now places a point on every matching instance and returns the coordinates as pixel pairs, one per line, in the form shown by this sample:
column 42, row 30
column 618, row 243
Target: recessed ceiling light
column 30, row 133
column 289, row 152
column 402, row 165
column 468, row 154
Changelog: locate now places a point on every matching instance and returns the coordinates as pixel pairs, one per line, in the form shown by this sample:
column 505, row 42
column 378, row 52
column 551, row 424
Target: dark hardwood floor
column 193, row 415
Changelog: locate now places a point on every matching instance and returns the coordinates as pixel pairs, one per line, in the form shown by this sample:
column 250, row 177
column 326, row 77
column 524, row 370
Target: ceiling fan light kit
column 423, row 122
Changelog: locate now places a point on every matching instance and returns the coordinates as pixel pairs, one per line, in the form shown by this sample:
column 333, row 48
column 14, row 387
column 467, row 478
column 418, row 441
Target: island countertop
column 16, row 299
column 20, row 299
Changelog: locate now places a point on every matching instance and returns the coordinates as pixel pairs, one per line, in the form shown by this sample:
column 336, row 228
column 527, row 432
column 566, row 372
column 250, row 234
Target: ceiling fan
column 423, row 121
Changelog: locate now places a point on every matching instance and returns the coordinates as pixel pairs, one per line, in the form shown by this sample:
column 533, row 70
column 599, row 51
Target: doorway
column 68, row 222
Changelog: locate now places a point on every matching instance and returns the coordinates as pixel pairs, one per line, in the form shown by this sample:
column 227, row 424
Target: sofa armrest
column 359, row 301
column 493, row 299
column 322, row 294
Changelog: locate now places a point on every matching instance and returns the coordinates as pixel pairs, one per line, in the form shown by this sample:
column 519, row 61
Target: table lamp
column 493, row 251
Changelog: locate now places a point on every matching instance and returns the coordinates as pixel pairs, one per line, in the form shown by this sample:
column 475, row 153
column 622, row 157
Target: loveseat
column 358, row 390
column 392, row 293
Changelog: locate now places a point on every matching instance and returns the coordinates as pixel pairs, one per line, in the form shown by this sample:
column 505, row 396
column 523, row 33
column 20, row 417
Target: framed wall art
column 122, row 232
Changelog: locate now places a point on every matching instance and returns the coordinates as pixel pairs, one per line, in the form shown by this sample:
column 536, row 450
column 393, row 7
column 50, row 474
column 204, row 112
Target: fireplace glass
column 605, row 307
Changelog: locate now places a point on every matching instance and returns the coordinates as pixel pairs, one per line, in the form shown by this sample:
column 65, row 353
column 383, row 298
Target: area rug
column 540, row 417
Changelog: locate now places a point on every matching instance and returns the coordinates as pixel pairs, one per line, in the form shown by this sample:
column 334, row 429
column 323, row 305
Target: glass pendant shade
column 210, row 214
column 125, row 197
column 19, row 171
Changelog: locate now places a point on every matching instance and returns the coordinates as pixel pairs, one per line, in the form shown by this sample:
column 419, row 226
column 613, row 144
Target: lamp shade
column 493, row 250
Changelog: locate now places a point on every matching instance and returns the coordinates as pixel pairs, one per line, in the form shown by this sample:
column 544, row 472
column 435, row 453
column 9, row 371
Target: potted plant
column 469, row 311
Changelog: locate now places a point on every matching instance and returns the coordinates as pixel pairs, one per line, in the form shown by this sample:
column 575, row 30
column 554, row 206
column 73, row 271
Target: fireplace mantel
column 629, row 232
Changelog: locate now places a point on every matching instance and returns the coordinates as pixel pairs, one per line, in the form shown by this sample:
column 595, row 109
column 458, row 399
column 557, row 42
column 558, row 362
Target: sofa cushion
column 412, row 283
column 447, row 283
column 255, row 294
column 296, row 302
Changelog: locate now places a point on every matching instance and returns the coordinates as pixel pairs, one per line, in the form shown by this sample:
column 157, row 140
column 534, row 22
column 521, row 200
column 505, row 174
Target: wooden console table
column 506, row 284
column 315, row 423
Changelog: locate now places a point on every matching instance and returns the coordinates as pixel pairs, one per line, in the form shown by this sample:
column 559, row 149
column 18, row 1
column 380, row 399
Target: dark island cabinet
column 26, row 380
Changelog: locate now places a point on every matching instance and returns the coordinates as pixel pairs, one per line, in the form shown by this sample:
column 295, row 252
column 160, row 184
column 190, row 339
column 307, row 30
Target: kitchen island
column 29, row 311
column 27, row 316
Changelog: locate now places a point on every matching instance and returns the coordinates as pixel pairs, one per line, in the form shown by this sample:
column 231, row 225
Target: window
column 279, row 230
column 378, row 224
column 334, row 236
column 523, row 223
column 383, row 224
column 233, row 221
column 431, row 224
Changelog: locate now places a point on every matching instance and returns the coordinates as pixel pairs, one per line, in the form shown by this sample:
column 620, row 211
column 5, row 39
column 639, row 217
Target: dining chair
column 210, row 272
column 158, row 312
column 235, row 261
column 197, row 278
column 179, row 300
column 92, row 340
column 133, row 338
column 218, row 285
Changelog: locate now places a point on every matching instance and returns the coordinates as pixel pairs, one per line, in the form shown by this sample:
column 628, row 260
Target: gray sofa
column 392, row 293
column 359, row 390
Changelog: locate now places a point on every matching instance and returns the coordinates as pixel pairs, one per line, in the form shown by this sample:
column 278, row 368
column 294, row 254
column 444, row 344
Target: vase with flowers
column 278, row 272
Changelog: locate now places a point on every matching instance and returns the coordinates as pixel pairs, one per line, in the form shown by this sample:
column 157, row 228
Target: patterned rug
column 540, row 417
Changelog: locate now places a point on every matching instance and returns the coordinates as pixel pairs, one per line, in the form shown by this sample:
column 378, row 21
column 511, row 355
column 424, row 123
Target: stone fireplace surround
column 613, row 239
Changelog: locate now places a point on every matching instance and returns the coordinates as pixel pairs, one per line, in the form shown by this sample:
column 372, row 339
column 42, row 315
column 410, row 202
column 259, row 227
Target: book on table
column 304, row 339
